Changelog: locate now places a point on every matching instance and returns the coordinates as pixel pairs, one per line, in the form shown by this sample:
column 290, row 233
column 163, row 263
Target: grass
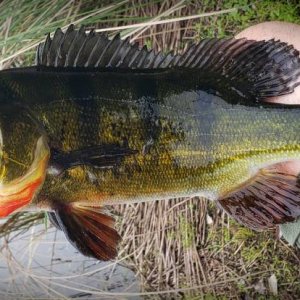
column 169, row 244
column 248, row 13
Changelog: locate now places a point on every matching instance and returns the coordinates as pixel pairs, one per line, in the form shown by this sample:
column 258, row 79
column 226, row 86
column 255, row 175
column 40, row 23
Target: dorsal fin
column 266, row 68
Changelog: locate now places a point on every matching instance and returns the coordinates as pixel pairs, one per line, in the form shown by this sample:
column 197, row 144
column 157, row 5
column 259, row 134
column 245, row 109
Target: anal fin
column 89, row 230
column 268, row 199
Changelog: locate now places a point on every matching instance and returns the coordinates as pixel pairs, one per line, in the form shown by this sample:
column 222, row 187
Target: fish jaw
column 21, row 191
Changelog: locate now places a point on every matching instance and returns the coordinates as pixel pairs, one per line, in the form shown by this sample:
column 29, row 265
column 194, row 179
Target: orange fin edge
column 21, row 191
column 13, row 202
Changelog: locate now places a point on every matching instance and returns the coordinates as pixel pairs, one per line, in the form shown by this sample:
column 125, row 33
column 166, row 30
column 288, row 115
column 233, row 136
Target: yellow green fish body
column 108, row 123
column 196, row 145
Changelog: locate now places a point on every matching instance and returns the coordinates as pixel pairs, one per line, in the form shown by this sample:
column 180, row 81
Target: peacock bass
column 100, row 121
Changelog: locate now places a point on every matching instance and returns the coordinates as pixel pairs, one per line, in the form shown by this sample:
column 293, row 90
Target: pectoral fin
column 100, row 156
column 268, row 199
column 89, row 230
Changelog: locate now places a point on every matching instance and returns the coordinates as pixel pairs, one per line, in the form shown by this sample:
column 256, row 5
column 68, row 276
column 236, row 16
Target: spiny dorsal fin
column 262, row 68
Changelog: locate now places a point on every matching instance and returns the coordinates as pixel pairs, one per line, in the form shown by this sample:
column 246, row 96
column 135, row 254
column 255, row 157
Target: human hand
column 288, row 33
column 285, row 32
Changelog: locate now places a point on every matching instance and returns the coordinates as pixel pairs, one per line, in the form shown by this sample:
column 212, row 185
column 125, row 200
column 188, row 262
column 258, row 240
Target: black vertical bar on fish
column 83, row 96
column 148, row 104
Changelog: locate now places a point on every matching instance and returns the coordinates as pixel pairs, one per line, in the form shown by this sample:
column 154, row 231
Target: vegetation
column 186, row 247
column 248, row 13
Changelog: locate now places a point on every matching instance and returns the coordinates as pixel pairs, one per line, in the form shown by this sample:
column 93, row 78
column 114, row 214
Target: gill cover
column 20, row 191
column 24, row 155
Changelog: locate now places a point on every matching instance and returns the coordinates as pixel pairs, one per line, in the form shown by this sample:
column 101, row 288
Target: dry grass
column 182, row 248
column 189, row 248
column 164, row 237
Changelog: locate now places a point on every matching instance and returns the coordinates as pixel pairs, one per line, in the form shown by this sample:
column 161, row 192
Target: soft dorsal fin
column 262, row 68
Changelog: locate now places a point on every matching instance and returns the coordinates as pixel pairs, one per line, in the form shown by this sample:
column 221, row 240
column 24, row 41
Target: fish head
column 24, row 156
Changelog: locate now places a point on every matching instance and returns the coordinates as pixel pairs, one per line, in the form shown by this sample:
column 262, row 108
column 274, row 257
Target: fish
column 99, row 121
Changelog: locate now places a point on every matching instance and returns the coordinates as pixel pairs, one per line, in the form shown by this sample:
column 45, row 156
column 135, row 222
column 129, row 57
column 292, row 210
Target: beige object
column 289, row 33
column 283, row 31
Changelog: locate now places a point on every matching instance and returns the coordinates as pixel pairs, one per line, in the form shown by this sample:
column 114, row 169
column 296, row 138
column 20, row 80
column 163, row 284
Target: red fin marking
column 12, row 202
column 20, row 191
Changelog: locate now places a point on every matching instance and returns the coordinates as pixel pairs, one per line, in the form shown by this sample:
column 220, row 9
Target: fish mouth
column 22, row 190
